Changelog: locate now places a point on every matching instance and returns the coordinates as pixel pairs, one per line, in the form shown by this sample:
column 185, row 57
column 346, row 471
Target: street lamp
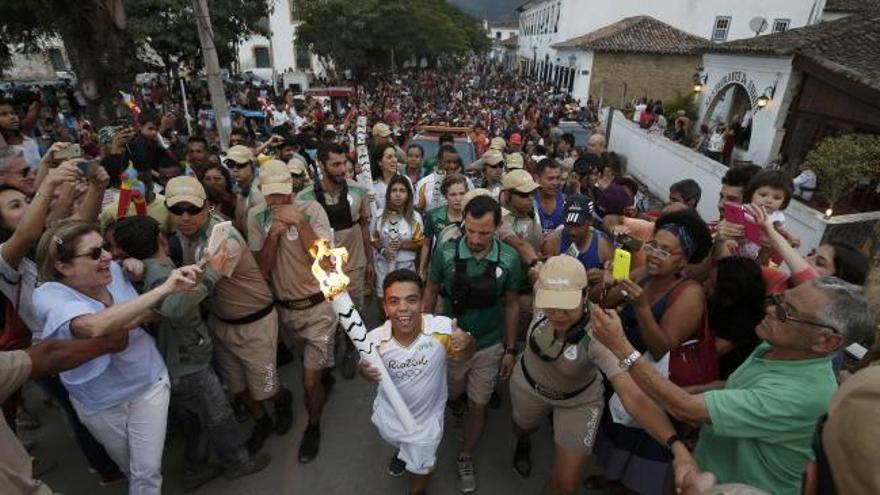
column 767, row 96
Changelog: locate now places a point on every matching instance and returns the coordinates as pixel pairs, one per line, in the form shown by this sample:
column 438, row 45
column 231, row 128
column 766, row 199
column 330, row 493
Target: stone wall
column 654, row 76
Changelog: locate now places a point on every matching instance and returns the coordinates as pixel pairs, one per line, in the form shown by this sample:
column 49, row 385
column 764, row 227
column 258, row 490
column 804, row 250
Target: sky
column 493, row 10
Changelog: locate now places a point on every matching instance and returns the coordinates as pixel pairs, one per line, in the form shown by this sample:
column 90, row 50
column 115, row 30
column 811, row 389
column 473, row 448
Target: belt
column 550, row 393
column 304, row 303
column 249, row 318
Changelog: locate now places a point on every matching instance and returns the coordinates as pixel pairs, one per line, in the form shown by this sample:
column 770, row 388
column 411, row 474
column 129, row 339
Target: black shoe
column 253, row 465
column 260, row 433
column 241, row 411
column 328, row 381
column 396, row 467
column 191, row 481
column 311, row 441
column 495, row 400
column 522, row 457
column 284, row 412
column 349, row 365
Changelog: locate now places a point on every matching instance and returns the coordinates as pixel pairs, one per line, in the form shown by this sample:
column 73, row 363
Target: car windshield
column 464, row 148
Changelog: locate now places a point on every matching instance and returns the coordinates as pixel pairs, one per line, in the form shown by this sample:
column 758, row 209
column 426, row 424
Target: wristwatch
column 671, row 440
column 628, row 362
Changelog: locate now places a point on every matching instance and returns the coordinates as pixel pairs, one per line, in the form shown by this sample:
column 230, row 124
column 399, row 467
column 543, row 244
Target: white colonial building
column 280, row 52
column 548, row 28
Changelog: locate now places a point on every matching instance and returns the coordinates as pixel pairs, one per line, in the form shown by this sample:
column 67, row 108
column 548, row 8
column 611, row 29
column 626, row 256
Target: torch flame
column 334, row 282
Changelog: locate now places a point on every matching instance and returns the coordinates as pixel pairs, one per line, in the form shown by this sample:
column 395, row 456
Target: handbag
column 695, row 361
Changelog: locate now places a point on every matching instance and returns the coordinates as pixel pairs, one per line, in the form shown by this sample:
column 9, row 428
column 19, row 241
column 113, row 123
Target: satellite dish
column 758, row 25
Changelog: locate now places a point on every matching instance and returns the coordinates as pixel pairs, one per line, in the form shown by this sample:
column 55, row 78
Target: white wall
column 760, row 74
column 501, row 34
column 658, row 163
column 282, row 49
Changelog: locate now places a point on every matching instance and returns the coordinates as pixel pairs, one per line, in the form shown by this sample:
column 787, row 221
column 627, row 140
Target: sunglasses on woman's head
column 181, row 209
column 94, row 254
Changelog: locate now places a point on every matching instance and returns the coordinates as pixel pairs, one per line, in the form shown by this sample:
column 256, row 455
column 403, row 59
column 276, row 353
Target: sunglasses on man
column 234, row 165
column 180, row 209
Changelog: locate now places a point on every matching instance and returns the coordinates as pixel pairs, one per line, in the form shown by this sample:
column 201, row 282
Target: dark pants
column 95, row 454
column 207, row 418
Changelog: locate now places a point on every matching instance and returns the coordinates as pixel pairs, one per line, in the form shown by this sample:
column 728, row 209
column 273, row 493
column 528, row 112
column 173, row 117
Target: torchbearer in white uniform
column 414, row 348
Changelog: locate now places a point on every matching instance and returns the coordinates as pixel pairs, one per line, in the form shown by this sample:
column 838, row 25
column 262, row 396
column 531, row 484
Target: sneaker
column 284, row 412
column 260, row 433
column 311, row 441
column 349, row 365
column 467, row 481
column 253, row 465
column 112, row 479
column 522, row 457
column 192, row 481
column 396, row 467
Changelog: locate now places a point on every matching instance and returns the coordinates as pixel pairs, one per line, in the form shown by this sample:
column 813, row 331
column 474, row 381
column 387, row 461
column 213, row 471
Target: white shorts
column 419, row 451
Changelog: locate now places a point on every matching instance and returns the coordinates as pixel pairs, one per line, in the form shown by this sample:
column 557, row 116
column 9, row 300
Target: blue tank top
column 631, row 322
column 550, row 221
column 590, row 258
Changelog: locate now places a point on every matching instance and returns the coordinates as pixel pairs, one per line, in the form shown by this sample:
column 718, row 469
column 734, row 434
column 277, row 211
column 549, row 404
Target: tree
column 362, row 34
column 840, row 162
column 106, row 40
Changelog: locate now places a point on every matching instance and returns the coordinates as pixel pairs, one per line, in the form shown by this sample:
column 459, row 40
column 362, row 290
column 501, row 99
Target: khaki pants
column 477, row 375
column 246, row 355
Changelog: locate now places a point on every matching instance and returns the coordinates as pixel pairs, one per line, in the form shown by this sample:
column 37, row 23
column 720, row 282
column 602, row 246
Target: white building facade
column 544, row 23
column 280, row 52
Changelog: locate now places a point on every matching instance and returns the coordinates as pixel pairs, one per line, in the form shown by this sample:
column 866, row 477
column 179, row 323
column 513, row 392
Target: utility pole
column 212, row 70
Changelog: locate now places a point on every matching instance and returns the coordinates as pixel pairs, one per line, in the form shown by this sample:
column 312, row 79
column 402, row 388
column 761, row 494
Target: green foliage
column 361, row 34
column 840, row 162
column 682, row 101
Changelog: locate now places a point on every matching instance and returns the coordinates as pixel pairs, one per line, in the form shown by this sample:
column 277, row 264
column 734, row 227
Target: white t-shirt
column 397, row 226
column 25, row 277
column 716, row 142
column 418, row 371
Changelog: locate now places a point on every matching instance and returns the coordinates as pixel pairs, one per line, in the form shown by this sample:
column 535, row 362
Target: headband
column 683, row 235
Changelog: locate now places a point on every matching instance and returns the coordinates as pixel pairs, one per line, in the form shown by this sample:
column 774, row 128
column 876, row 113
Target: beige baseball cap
column 381, row 129
column 297, row 165
column 519, row 180
column 492, row 157
column 473, row 193
column 240, row 154
column 561, row 283
column 185, row 189
column 497, row 143
column 275, row 178
column 514, row 161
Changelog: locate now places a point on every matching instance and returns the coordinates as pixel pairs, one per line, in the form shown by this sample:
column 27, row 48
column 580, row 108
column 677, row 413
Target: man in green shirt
column 757, row 429
column 185, row 343
column 479, row 277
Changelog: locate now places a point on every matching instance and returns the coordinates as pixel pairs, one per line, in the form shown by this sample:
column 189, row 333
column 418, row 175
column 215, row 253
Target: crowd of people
column 149, row 276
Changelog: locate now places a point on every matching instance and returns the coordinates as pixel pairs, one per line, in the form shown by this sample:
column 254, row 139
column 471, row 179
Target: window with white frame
column 780, row 25
column 261, row 57
column 722, row 27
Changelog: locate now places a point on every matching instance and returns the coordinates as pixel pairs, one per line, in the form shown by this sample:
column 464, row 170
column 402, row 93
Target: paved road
column 352, row 458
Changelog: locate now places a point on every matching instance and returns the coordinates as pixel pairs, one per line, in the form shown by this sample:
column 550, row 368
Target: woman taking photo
column 453, row 188
column 122, row 398
column 662, row 309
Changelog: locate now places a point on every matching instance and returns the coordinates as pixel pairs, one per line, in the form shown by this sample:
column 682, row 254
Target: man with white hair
column 758, row 428
column 596, row 145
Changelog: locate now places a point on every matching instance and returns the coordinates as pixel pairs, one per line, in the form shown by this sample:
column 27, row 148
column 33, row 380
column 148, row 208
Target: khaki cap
column 297, row 165
column 497, row 143
column 381, row 129
column 473, row 193
column 514, row 161
column 492, row 157
column 185, row 189
column 275, row 178
column 519, row 180
column 561, row 283
column 240, row 154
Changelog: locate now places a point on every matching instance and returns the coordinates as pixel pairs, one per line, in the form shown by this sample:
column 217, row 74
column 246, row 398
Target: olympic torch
column 333, row 285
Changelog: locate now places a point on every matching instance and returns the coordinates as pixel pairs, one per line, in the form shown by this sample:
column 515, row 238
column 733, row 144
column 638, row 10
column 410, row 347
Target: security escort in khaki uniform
column 559, row 373
column 240, row 160
column 480, row 278
column 242, row 312
column 280, row 233
column 348, row 209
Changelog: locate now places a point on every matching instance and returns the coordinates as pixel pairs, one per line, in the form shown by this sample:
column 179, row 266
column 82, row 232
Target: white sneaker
column 467, row 481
